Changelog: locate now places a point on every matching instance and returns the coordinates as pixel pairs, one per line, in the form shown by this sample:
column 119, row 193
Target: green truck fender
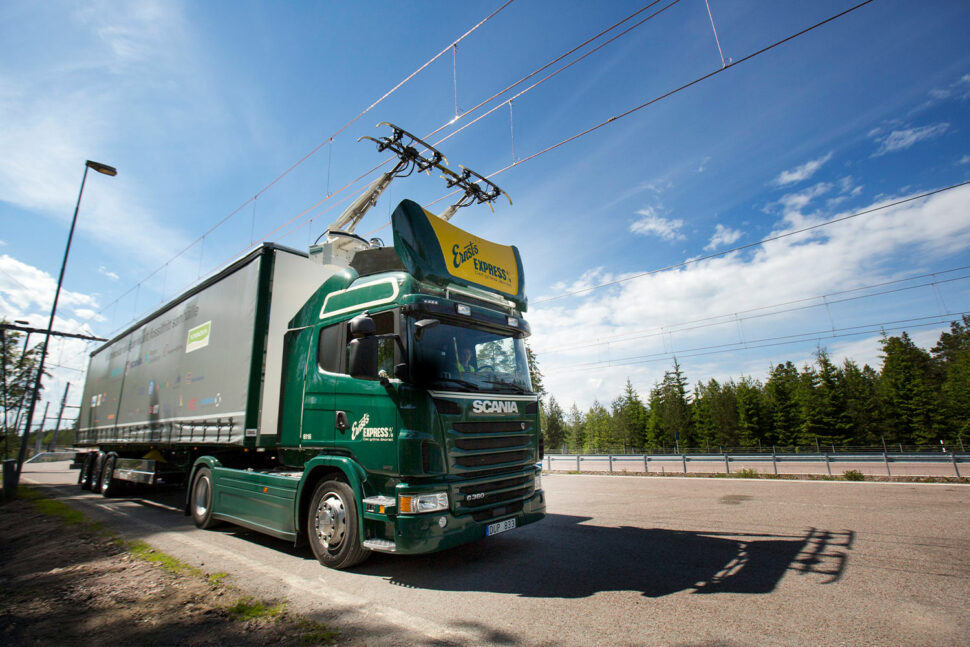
column 321, row 468
column 202, row 461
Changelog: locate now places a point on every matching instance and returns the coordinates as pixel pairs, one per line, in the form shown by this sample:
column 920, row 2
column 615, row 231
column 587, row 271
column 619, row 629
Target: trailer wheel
column 332, row 527
column 84, row 475
column 98, row 463
column 202, row 499
column 109, row 485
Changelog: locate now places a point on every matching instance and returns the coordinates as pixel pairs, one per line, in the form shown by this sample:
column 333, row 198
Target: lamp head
column 101, row 168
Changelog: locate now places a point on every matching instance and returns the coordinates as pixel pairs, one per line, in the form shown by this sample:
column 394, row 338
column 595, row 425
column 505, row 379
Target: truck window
column 328, row 350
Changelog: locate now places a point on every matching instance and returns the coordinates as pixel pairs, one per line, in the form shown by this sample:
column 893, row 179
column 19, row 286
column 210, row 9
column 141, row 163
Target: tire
column 84, row 476
column 201, row 499
column 332, row 526
column 98, row 463
column 109, row 485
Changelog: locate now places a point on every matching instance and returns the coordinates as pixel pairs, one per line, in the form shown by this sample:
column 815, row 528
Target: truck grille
column 495, row 454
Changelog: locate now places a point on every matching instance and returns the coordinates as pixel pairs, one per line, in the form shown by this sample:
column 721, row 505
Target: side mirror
column 363, row 357
column 424, row 324
column 401, row 372
column 362, row 326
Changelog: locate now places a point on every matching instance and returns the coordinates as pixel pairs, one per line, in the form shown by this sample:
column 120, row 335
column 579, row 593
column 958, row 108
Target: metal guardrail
column 722, row 463
column 48, row 457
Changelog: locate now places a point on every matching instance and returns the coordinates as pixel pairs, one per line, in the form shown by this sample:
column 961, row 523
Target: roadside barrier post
column 774, row 459
column 727, row 465
column 646, row 464
column 577, row 462
column 684, row 457
column 955, row 468
column 611, row 463
column 828, row 463
column 885, row 457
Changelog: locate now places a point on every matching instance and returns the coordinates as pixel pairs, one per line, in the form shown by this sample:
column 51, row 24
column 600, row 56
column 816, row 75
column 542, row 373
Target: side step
column 380, row 545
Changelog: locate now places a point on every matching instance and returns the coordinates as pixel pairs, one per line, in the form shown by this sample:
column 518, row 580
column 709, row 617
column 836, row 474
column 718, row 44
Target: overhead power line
column 670, row 93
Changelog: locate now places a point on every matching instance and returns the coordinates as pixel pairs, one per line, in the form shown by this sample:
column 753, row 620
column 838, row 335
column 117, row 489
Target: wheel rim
column 106, row 479
column 330, row 521
column 202, row 496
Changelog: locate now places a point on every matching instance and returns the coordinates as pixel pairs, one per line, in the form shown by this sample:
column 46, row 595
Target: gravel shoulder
column 67, row 580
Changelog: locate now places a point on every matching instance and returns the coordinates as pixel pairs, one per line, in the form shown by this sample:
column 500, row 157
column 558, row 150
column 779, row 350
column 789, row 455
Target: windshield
column 457, row 358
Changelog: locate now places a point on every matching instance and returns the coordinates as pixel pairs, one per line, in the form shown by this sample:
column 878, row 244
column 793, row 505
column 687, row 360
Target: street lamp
column 105, row 170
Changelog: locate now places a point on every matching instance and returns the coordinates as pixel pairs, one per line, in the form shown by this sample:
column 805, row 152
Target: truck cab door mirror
column 362, row 358
column 362, row 326
column 424, row 324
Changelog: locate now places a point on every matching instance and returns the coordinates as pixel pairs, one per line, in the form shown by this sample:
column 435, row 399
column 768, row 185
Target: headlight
column 538, row 481
column 418, row 503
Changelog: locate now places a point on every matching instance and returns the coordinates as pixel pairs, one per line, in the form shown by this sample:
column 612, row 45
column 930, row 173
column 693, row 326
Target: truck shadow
column 562, row 557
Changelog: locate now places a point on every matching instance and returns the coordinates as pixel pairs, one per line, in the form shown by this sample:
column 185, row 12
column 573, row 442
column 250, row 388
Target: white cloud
column 102, row 270
column 60, row 113
column 964, row 160
column 651, row 224
column 636, row 326
column 905, row 138
column 801, row 173
column 793, row 203
column 723, row 236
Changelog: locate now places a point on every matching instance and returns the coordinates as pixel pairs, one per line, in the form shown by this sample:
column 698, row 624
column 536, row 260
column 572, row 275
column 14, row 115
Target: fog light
column 442, row 521
column 463, row 310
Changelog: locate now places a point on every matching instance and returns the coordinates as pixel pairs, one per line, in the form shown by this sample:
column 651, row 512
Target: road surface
column 626, row 561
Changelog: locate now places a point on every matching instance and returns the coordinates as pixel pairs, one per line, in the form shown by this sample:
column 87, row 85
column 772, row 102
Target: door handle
column 342, row 423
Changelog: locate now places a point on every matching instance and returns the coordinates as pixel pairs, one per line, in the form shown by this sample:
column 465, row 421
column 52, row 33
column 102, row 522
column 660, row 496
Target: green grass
column 216, row 579
column 853, row 475
column 249, row 608
column 166, row 562
column 315, row 633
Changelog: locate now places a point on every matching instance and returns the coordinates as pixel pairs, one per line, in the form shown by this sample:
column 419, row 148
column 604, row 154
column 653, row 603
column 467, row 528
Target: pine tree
column 752, row 412
column 781, row 399
column 909, row 392
column 575, row 429
column 861, row 403
column 952, row 358
column 629, row 418
column 554, row 428
column 534, row 373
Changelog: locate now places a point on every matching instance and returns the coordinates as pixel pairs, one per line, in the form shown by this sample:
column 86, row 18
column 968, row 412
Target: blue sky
column 202, row 105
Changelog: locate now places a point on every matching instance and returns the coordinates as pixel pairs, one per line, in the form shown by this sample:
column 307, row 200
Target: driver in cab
column 465, row 361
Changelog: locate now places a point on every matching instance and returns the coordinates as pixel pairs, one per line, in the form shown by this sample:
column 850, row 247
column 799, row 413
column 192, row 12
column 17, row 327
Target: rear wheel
column 84, row 475
column 109, row 486
column 202, row 499
column 96, row 467
column 332, row 526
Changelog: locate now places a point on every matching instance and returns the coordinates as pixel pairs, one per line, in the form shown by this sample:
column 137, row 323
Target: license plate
column 500, row 526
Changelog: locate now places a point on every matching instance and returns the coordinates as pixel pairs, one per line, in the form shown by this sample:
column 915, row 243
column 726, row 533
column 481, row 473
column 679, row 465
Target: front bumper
column 414, row 534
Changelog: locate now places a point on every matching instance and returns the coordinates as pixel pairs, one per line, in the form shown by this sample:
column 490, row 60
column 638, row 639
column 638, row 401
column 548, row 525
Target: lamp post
column 100, row 168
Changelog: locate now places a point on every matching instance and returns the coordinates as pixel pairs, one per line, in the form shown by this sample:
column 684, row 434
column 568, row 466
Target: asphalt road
column 627, row 561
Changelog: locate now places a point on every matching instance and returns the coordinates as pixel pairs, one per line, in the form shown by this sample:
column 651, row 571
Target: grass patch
column 62, row 511
column 216, row 579
column 249, row 608
column 166, row 562
column 747, row 473
column 853, row 475
column 316, row 633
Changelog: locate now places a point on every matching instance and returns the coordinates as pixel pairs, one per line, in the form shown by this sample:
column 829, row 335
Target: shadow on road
column 565, row 558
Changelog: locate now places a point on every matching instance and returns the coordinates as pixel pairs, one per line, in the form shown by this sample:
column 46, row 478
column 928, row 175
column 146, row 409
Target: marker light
column 464, row 310
column 513, row 322
column 419, row 503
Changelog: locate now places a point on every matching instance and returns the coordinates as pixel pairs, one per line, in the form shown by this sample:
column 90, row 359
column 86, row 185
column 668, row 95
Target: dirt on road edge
column 65, row 579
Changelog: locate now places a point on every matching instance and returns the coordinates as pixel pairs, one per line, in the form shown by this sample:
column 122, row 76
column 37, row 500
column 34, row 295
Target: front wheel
column 202, row 499
column 332, row 526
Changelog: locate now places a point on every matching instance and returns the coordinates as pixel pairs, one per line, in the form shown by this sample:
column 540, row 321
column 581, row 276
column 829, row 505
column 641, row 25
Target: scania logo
column 495, row 406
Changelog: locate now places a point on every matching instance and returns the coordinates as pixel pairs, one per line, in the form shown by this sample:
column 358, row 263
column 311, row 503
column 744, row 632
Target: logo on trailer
column 495, row 406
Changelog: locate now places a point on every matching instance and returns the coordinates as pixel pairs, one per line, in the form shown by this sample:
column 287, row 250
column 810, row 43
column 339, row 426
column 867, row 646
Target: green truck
column 382, row 404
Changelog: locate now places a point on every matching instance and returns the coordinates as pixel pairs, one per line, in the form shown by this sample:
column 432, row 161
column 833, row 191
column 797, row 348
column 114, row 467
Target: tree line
column 916, row 398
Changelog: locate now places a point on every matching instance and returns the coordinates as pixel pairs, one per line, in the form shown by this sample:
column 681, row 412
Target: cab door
column 319, row 418
column 370, row 409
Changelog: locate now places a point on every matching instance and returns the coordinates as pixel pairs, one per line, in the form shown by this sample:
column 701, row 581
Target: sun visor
column 435, row 251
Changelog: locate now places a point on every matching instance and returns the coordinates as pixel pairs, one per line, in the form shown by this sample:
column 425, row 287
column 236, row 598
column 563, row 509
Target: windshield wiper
column 471, row 386
column 515, row 387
